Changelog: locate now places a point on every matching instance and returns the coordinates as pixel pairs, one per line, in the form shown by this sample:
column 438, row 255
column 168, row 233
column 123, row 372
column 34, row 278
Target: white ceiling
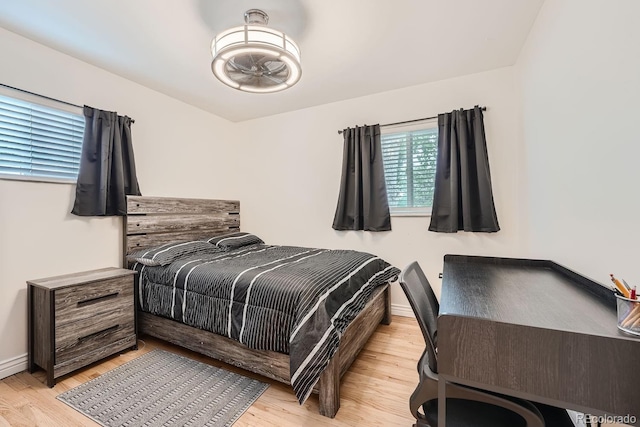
column 350, row 48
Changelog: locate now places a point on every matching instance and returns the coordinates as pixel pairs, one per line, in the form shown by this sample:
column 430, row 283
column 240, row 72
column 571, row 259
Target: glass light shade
column 254, row 58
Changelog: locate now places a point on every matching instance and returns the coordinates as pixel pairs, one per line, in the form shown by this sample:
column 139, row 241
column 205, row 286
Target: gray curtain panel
column 362, row 203
column 463, row 199
column 107, row 166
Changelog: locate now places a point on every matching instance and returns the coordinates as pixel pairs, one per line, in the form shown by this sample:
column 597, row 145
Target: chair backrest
column 425, row 306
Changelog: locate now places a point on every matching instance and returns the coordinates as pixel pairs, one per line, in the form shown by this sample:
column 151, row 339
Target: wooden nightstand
column 77, row 319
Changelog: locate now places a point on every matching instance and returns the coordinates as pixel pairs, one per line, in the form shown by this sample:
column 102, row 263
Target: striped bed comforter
column 287, row 299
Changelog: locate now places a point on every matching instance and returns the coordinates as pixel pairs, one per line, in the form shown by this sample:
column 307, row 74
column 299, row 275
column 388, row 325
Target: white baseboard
column 13, row 366
column 402, row 310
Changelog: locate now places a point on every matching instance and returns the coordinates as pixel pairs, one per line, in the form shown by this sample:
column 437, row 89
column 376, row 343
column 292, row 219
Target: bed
column 154, row 222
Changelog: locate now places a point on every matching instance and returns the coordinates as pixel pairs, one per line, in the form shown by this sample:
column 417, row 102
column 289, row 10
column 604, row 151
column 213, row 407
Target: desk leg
column 442, row 402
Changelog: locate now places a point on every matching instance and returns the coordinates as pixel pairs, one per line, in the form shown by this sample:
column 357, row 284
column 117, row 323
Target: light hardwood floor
column 375, row 391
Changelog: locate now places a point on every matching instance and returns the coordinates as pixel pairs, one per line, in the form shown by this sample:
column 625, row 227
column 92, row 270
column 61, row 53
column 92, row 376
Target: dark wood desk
column 535, row 330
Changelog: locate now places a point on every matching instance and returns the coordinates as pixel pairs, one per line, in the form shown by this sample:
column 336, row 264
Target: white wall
column 291, row 193
column 579, row 78
column 176, row 148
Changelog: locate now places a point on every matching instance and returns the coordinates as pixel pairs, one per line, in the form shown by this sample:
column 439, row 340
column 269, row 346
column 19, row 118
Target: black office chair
column 466, row 406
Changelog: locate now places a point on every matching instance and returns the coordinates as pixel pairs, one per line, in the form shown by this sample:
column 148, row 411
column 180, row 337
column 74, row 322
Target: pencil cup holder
column 628, row 315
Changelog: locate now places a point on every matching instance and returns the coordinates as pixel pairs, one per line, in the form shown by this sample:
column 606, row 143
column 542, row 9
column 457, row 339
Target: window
column 410, row 168
column 39, row 142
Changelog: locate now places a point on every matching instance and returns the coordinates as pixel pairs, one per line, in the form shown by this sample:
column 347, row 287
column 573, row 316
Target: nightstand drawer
column 82, row 302
column 76, row 343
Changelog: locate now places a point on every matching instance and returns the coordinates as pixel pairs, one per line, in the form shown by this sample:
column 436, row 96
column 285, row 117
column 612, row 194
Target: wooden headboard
column 153, row 221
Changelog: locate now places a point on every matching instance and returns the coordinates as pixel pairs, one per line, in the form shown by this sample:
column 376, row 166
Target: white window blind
column 410, row 169
column 38, row 141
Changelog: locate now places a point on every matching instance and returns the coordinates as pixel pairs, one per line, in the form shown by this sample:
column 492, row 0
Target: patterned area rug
column 160, row 388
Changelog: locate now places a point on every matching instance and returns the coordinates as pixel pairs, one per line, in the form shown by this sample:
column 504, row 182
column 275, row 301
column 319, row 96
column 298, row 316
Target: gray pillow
column 234, row 240
column 166, row 254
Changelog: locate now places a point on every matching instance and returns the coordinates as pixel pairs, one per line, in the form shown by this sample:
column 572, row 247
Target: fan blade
column 274, row 67
column 274, row 79
column 240, row 77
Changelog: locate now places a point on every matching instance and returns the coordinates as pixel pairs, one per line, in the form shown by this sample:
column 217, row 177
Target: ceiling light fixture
column 254, row 58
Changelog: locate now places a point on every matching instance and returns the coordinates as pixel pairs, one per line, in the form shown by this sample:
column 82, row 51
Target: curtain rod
column 46, row 97
column 414, row 120
column 41, row 96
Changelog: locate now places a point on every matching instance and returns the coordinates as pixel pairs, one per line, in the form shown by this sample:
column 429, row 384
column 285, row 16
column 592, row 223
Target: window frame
column 424, row 211
column 34, row 99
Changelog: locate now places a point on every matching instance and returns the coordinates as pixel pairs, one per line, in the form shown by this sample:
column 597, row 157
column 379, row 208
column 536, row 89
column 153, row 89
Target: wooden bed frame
column 153, row 221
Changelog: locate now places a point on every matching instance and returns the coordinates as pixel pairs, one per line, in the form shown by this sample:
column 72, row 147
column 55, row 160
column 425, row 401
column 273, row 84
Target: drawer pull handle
column 104, row 331
column 97, row 299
